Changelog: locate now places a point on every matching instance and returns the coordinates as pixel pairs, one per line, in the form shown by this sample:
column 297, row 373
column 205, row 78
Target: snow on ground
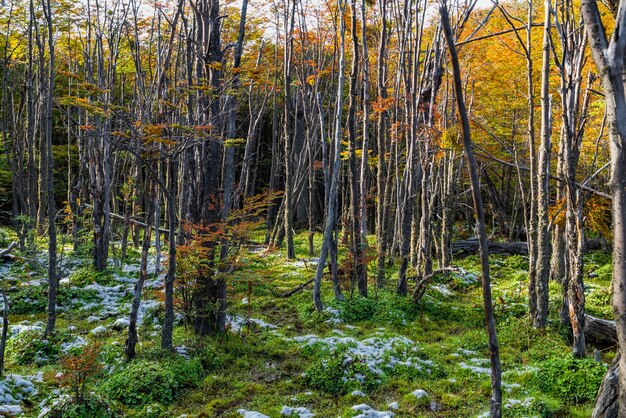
column 98, row 330
column 300, row 412
column 251, row 414
column 77, row 343
column 15, row 388
column 236, row 323
column 419, row 393
column 182, row 351
column 377, row 352
column 525, row 403
column 25, row 326
column 443, row 289
column 334, row 315
column 366, row 411
column 475, row 369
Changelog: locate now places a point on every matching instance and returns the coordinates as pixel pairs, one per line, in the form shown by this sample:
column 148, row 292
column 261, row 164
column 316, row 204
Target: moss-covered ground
column 428, row 359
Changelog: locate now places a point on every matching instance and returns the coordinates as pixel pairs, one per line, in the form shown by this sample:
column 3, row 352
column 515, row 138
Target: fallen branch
column 6, row 252
column 128, row 219
column 292, row 291
column 420, row 289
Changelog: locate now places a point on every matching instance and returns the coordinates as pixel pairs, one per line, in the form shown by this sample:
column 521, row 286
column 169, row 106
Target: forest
column 312, row 208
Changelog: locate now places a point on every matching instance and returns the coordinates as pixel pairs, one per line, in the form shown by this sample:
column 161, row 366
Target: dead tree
column 496, row 379
column 609, row 57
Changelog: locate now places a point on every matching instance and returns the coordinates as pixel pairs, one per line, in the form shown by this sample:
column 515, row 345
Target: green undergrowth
column 376, row 350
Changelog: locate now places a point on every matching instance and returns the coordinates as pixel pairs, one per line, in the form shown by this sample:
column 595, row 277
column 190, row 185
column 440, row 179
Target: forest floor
column 382, row 356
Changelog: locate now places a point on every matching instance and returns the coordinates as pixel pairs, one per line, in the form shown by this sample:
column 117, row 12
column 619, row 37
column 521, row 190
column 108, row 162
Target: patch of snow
column 419, row 393
column 378, row 353
column 475, row 369
column 236, row 323
column 98, row 330
column 251, row 414
column 367, row 411
column 393, row 405
column 334, row 315
column 526, row 403
column 13, row 389
column 358, row 393
column 182, row 351
column 443, row 289
column 25, row 326
column 508, row 387
column 467, row 278
column 300, row 412
column 78, row 342
column 120, row 324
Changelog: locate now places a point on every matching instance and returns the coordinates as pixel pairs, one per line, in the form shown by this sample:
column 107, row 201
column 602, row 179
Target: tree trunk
column 496, row 379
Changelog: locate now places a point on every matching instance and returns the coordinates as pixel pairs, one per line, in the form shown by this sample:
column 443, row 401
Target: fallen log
column 601, row 333
column 465, row 248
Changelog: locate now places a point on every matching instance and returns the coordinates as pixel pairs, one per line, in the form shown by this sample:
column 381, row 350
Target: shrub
column 570, row 379
column 339, row 374
column 87, row 275
column 210, row 359
column 358, row 309
column 144, row 382
column 78, row 368
column 92, row 406
column 327, row 376
column 29, row 347
column 140, row 383
column 34, row 299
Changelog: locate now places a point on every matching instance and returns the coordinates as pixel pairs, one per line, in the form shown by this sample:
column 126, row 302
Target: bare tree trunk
column 168, row 320
column 331, row 215
column 496, row 379
column 131, row 340
column 610, row 62
column 381, row 169
column 288, row 196
column 359, row 271
column 5, row 329
column 53, row 281
column 542, row 271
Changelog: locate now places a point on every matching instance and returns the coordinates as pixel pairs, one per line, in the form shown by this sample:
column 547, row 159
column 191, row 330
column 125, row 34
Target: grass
column 264, row 369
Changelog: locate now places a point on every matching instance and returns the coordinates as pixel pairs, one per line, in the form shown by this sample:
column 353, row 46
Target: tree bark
column 496, row 379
